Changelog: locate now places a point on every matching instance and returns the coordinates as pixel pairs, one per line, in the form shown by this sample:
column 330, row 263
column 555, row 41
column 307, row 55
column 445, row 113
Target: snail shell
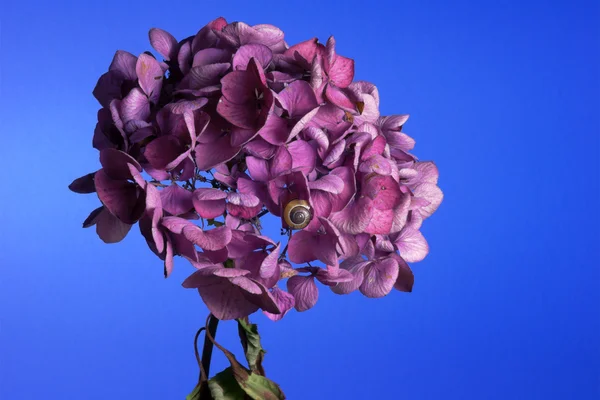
column 297, row 214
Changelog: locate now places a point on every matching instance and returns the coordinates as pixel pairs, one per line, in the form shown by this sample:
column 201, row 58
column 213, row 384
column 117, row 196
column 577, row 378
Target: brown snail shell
column 297, row 214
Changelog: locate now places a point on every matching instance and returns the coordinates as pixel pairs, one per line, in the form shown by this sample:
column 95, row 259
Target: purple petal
column 335, row 153
column 109, row 228
column 304, row 290
column 163, row 150
column 125, row 200
column 301, row 247
column 84, row 184
column 328, row 183
column 302, row 122
column 164, row 43
column 243, row 205
column 205, row 75
column 176, row 200
column 432, row 193
column 380, row 278
column 303, row 155
column 261, row 53
column 355, row 217
column 258, row 169
column 224, row 299
column 339, row 98
column 275, row 130
column 281, row 162
column 213, row 239
column 341, row 72
column 356, row 266
column 135, row 106
column 381, row 221
column 285, row 302
column 384, row 191
column 150, row 76
column 209, row 203
column 298, row 98
column 211, row 56
column 412, row 245
column 260, row 148
column 331, row 278
column 209, row 155
column 269, row 266
column 406, row 279
column 115, row 163
column 124, row 63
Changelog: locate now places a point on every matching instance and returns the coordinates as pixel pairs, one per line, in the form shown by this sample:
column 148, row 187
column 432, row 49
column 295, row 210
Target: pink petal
column 380, row 278
column 176, row 200
column 341, row 72
column 328, row 183
column 211, row 56
column 209, row 203
column 304, row 290
column 301, row 247
column 380, row 222
column 135, row 106
column 261, row 53
column 275, row 130
column 412, row 245
column 356, row 266
column 150, row 76
column 339, row 98
column 213, row 239
column 355, row 217
column 303, row 155
column 285, row 301
column 281, row 162
column 431, row 193
column 258, row 169
column 260, row 148
column 164, row 43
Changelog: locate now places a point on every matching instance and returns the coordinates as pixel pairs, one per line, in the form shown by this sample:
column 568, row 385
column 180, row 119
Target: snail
column 297, row 214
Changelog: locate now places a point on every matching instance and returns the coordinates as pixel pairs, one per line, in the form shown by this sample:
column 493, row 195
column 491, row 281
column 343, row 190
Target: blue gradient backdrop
column 503, row 95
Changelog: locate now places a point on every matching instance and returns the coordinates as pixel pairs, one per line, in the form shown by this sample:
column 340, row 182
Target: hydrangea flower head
column 234, row 124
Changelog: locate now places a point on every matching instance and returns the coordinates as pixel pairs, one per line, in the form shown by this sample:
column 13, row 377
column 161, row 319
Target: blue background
column 503, row 95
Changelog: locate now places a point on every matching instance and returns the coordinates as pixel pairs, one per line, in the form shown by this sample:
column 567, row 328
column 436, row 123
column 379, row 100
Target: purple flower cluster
column 235, row 124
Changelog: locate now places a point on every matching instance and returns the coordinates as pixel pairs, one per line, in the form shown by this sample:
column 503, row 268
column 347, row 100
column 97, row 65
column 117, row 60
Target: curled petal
column 84, row 184
column 285, row 301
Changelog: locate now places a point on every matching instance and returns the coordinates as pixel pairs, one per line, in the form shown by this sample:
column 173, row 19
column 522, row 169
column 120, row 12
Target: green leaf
column 252, row 348
column 223, row 386
column 260, row 388
column 195, row 395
